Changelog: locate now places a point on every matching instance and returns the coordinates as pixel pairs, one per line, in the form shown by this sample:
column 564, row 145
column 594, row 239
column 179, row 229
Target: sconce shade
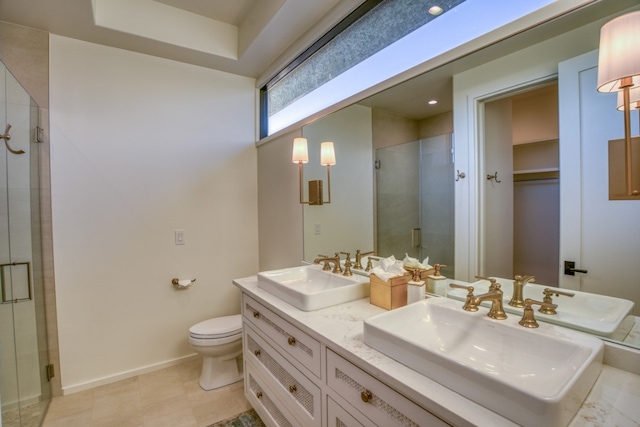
column 619, row 55
column 634, row 99
column 300, row 153
column 327, row 154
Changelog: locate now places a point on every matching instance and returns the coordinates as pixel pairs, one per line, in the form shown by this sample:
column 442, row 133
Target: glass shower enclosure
column 415, row 201
column 24, row 366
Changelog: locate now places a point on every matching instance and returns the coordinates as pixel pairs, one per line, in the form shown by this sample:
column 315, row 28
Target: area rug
column 245, row 419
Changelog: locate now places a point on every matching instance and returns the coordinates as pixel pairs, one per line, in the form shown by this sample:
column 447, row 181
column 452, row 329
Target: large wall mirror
column 396, row 170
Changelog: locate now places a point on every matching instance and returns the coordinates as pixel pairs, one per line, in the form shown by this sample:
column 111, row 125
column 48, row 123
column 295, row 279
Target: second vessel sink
column 601, row 315
column 310, row 288
column 534, row 377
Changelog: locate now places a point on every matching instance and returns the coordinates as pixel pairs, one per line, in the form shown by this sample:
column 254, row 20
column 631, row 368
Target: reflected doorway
column 521, row 185
column 415, row 201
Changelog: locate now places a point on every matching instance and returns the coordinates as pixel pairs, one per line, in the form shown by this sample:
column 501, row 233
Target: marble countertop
column 613, row 401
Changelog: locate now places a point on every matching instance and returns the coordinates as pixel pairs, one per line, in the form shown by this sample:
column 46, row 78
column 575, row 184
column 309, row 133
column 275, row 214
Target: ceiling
column 242, row 37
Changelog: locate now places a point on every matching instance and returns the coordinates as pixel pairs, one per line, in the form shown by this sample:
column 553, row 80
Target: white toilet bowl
column 219, row 341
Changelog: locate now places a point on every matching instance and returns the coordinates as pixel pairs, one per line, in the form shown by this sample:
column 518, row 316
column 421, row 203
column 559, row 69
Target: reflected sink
column 534, row 377
column 310, row 288
column 601, row 315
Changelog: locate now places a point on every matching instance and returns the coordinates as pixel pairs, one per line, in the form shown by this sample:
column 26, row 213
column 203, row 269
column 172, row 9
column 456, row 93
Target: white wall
column 346, row 224
column 140, row 147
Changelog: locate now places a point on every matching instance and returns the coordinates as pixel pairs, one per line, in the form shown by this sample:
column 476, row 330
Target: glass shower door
column 24, row 391
column 415, row 201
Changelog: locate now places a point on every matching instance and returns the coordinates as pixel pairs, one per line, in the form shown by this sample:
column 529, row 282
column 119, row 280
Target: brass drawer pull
column 256, row 314
column 366, row 396
column 259, row 394
column 293, row 388
column 256, row 352
column 291, row 341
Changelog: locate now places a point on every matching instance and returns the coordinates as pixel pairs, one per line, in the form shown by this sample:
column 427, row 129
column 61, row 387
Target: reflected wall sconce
column 619, row 71
column 300, row 156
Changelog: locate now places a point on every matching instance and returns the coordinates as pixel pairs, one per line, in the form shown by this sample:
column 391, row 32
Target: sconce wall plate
column 617, row 169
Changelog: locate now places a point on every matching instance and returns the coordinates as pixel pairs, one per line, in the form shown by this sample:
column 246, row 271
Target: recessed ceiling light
column 433, row 102
column 435, row 10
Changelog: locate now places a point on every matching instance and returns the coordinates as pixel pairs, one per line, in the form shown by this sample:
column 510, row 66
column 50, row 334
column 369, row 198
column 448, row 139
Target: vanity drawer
column 339, row 417
column 378, row 402
column 262, row 400
column 296, row 391
column 293, row 341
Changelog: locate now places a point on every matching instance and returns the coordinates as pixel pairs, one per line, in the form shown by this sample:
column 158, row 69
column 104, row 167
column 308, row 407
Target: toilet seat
column 217, row 328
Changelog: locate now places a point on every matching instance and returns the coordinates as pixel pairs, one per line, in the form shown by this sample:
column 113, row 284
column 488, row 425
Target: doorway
column 521, row 185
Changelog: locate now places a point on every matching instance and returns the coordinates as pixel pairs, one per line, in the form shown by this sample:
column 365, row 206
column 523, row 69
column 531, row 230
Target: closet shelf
column 535, row 141
column 536, row 174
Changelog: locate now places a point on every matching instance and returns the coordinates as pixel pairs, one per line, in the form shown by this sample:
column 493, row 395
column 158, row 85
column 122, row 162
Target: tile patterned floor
column 169, row 397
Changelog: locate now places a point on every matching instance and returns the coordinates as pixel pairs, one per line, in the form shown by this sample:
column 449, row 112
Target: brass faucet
column 468, row 303
column 347, row 264
column 528, row 319
column 359, row 255
column 518, row 284
column 547, row 299
column 326, row 260
column 495, row 296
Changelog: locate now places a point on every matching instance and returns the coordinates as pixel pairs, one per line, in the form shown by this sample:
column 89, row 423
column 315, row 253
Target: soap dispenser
column 437, row 283
column 416, row 286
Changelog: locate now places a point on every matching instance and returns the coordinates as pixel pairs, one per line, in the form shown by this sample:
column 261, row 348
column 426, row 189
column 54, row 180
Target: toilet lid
column 218, row 327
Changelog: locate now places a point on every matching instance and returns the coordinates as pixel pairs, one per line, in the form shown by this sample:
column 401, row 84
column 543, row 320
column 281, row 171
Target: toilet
column 219, row 341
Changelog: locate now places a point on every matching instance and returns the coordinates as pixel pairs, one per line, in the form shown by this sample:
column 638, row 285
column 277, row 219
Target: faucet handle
column 548, row 292
column 524, row 279
column 492, row 281
column 337, row 268
column 347, row 264
column 370, row 262
column 528, row 319
column 468, row 303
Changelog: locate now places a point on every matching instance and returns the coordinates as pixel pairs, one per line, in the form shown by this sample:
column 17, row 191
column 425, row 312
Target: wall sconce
column 300, row 156
column 619, row 71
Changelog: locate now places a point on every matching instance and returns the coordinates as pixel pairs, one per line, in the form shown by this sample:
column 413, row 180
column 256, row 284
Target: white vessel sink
column 601, row 315
column 310, row 288
column 534, row 377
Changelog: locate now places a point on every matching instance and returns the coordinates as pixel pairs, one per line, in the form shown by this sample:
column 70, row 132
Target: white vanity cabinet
column 375, row 400
column 271, row 348
column 292, row 379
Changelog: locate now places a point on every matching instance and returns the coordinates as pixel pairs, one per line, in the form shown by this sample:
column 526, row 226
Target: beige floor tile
column 78, row 419
column 116, row 406
column 170, row 413
column 169, row 397
column 215, row 405
column 64, row 406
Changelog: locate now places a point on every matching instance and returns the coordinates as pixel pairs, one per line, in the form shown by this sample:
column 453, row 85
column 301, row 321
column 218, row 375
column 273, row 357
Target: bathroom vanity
column 312, row 368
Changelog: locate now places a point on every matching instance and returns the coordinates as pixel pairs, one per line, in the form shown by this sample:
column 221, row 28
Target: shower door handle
column 3, row 288
column 416, row 239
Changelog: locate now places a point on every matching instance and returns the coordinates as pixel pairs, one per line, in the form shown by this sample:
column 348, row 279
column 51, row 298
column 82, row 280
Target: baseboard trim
column 75, row 388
